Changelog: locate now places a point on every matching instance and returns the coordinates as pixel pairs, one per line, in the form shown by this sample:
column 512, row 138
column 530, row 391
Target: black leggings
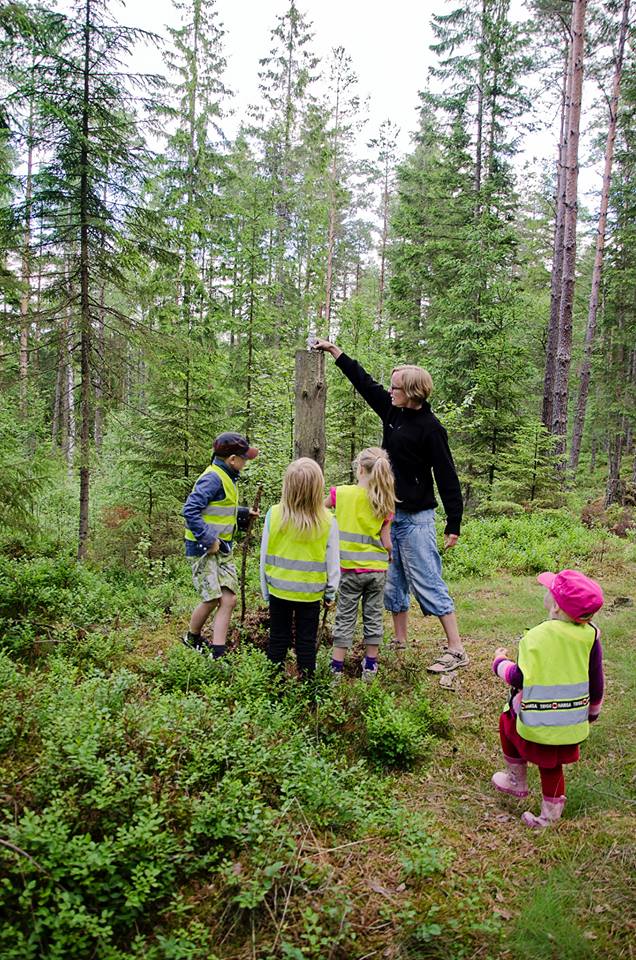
column 305, row 617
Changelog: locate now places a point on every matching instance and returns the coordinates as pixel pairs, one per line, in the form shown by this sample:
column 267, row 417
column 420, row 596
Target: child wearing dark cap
column 557, row 691
column 212, row 515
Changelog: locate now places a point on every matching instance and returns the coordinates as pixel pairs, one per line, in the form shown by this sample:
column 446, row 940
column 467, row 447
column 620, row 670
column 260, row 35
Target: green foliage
column 14, row 691
column 25, row 467
column 396, row 736
column 528, row 543
column 54, row 598
column 549, row 924
column 421, row 856
column 146, row 783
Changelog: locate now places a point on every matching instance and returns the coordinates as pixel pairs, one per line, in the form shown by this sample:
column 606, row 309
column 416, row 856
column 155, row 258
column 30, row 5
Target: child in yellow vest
column 557, row 691
column 212, row 515
column 299, row 564
column 364, row 512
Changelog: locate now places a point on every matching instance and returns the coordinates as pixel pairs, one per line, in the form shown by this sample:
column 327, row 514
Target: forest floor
column 507, row 891
column 566, row 892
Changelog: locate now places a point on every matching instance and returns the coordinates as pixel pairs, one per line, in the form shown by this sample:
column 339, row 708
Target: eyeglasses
column 393, row 388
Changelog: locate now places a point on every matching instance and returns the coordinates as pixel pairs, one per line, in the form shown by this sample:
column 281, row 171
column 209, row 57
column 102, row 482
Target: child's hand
column 216, row 546
column 501, row 652
column 254, row 514
column 329, row 604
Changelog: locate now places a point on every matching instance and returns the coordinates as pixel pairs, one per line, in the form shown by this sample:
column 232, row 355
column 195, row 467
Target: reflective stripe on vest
column 296, row 565
column 554, row 659
column 219, row 514
column 359, row 527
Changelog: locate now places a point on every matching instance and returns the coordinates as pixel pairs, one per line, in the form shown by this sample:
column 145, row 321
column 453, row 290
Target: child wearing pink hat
column 556, row 692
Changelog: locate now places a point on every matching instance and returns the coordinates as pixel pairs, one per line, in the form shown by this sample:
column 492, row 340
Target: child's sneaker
column 194, row 642
column 369, row 674
column 336, row 668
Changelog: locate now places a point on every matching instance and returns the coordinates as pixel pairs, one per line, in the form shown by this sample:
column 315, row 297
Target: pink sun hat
column 577, row 595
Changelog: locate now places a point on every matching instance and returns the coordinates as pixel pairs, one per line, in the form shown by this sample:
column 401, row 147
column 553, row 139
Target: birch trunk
column 331, row 236
column 383, row 242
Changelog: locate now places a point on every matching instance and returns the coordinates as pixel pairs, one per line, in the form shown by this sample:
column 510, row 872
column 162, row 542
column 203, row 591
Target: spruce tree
column 86, row 187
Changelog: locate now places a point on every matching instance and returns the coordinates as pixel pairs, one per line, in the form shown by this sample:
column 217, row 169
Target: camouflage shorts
column 211, row 573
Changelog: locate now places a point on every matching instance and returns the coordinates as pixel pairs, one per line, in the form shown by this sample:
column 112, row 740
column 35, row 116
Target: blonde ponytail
column 374, row 461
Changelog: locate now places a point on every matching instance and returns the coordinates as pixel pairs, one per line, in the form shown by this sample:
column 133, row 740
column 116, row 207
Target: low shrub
column 134, row 790
column 528, row 543
column 396, row 736
column 53, row 599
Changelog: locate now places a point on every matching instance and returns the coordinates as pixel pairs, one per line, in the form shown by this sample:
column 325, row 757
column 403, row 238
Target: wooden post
column 311, row 401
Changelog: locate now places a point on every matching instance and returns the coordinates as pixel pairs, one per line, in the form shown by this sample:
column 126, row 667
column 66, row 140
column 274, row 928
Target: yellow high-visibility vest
column 296, row 564
column 219, row 514
column 360, row 545
column 554, row 658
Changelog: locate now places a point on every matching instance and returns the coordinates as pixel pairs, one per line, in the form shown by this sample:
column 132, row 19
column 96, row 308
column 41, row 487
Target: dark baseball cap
column 228, row 443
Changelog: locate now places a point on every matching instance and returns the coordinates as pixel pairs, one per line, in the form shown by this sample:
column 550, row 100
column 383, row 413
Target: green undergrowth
column 529, row 543
column 156, row 804
column 46, row 600
column 151, row 812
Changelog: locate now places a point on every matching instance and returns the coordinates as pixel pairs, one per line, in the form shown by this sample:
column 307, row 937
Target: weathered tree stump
column 311, row 402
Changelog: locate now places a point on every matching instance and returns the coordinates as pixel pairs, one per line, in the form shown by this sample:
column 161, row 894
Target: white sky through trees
column 388, row 43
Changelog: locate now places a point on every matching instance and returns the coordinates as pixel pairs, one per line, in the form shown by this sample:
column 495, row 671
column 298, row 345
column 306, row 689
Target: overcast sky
column 387, row 40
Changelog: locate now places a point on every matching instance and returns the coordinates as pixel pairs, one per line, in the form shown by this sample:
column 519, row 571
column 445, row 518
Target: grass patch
column 550, row 925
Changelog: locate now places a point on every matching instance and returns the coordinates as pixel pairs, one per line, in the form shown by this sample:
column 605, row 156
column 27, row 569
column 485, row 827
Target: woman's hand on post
column 327, row 347
column 450, row 539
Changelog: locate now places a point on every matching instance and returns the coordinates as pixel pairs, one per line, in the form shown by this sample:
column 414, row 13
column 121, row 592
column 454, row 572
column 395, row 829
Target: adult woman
column 417, row 445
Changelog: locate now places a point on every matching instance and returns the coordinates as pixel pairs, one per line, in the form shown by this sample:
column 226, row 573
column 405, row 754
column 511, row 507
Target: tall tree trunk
column 614, row 488
column 383, row 240
column 579, row 419
column 331, row 235
column 557, row 255
column 85, row 307
column 311, row 400
column 620, row 371
column 25, row 296
column 60, row 385
column 101, row 364
column 250, row 328
column 480, row 107
column 69, row 432
column 564, row 351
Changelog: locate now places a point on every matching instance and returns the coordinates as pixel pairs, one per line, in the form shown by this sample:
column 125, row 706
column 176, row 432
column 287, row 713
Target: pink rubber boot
column 551, row 810
column 513, row 780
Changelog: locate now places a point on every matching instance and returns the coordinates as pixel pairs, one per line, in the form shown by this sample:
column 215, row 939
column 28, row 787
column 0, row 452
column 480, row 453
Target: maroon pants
column 552, row 782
